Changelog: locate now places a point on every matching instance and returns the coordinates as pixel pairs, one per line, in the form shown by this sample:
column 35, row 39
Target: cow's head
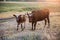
column 30, row 16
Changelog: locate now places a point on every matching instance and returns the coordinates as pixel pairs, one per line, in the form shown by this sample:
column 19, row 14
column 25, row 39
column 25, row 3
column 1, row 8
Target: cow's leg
column 17, row 26
column 48, row 22
column 32, row 25
column 35, row 25
column 45, row 23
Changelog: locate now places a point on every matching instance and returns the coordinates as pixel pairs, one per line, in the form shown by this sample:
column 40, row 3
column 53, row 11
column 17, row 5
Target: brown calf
column 20, row 19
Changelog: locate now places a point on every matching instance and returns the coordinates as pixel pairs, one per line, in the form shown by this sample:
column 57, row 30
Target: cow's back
column 40, row 14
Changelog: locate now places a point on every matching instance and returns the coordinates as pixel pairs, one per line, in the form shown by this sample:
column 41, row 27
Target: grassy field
column 8, row 27
column 5, row 7
column 26, row 6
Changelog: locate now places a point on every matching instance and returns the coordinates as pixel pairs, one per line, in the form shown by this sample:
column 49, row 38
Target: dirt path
column 53, row 33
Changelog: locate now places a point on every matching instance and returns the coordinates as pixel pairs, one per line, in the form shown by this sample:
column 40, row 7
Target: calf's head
column 19, row 18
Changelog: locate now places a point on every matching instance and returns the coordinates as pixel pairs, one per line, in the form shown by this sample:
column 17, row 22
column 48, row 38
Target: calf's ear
column 14, row 15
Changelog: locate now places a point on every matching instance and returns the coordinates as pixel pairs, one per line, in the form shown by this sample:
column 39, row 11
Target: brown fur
column 39, row 15
column 20, row 20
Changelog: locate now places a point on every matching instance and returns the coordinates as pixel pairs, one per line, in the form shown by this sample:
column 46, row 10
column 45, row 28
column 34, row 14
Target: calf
column 38, row 15
column 20, row 19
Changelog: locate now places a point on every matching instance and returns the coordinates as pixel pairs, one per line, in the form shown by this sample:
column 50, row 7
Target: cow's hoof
column 32, row 29
column 17, row 29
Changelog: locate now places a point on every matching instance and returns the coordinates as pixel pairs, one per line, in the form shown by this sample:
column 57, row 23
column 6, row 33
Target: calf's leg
column 21, row 27
column 24, row 25
column 17, row 26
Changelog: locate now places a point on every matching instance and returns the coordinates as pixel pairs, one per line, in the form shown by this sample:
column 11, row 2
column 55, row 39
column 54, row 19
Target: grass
column 5, row 7
column 2, row 21
column 25, row 37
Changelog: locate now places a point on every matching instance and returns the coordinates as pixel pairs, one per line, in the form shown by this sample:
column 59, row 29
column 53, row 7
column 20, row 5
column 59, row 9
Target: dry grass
column 52, row 33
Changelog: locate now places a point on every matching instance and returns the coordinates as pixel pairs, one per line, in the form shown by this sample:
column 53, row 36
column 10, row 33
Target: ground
column 9, row 32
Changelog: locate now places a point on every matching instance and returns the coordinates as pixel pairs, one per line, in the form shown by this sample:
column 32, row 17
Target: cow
column 20, row 19
column 38, row 15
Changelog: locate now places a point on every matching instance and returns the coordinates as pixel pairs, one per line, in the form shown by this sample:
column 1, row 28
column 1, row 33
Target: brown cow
column 20, row 19
column 38, row 15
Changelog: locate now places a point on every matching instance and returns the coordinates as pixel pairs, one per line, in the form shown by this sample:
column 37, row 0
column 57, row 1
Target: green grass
column 5, row 7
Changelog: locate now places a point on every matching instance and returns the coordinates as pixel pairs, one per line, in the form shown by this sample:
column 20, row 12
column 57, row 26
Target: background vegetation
column 23, row 6
column 5, row 7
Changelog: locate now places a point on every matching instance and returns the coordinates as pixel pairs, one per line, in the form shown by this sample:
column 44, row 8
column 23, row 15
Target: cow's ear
column 27, row 13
